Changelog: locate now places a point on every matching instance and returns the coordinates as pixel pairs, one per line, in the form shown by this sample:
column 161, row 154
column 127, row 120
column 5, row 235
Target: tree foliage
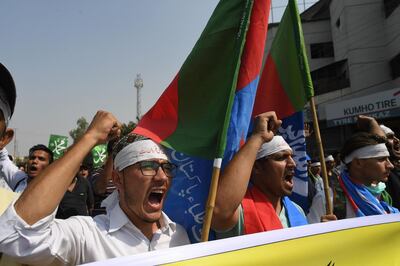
column 127, row 128
column 81, row 126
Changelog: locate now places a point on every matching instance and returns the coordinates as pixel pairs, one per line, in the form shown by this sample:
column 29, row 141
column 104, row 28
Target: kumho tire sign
column 379, row 105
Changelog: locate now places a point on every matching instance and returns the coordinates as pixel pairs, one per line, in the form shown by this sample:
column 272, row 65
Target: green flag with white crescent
column 99, row 153
column 58, row 144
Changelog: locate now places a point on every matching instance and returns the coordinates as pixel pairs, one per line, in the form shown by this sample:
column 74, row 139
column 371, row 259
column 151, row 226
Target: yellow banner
column 372, row 240
column 6, row 197
column 369, row 245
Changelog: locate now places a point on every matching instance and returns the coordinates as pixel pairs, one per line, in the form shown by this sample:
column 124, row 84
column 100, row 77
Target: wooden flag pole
column 212, row 194
column 328, row 205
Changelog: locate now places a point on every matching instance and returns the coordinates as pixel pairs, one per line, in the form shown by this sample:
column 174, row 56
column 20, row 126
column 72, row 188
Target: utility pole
column 138, row 86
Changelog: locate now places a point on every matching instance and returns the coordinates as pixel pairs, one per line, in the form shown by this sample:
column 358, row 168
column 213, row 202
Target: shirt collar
column 117, row 218
column 167, row 224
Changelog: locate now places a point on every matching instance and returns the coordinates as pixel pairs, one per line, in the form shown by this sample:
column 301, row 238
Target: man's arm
column 45, row 192
column 370, row 125
column 8, row 170
column 234, row 179
column 46, row 241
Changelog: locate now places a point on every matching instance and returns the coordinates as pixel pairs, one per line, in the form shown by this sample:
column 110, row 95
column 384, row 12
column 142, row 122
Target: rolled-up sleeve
column 9, row 171
column 48, row 241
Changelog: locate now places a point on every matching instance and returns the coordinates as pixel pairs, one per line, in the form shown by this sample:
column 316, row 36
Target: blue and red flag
column 192, row 116
column 285, row 87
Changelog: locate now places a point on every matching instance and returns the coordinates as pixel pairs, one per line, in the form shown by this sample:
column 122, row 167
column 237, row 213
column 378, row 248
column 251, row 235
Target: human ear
column 117, row 178
column 358, row 163
column 6, row 138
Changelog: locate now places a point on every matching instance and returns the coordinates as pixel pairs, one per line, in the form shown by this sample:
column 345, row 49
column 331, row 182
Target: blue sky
column 71, row 58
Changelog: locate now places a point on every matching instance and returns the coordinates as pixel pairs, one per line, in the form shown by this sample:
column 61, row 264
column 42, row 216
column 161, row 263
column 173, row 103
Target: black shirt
column 77, row 201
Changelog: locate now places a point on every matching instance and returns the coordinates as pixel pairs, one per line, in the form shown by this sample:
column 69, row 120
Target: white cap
column 315, row 164
column 329, row 158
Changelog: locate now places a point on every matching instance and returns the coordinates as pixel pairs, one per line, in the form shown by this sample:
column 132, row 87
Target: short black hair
column 8, row 85
column 315, row 160
column 41, row 147
column 88, row 161
column 125, row 141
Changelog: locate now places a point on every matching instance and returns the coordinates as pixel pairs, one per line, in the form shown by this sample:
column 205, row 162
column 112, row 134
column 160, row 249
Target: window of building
column 331, row 77
column 390, row 6
column 395, row 66
column 322, row 50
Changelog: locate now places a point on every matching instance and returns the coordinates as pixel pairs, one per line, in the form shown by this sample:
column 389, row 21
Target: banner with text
column 371, row 240
column 379, row 105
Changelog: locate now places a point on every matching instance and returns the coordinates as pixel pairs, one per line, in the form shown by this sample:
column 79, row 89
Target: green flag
column 193, row 113
column 58, row 144
column 285, row 85
column 99, row 153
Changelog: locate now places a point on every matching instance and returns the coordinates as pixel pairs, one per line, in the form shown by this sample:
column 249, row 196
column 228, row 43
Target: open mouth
column 386, row 175
column 32, row 169
column 288, row 178
column 155, row 198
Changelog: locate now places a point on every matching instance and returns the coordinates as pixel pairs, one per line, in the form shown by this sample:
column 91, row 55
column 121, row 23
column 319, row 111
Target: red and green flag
column 192, row 115
column 209, row 105
column 285, row 85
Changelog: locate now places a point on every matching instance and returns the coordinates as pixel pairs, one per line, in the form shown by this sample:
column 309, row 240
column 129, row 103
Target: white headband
column 315, row 164
column 277, row 144
column 329, row 158
column 386, row 130
column 138, row 151
column 370, row 151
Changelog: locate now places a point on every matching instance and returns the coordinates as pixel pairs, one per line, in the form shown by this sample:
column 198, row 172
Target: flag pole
column 212, row 194
column 328, row 205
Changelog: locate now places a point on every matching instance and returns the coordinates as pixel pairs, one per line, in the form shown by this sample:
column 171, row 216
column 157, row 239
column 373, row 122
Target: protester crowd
column 69, row 213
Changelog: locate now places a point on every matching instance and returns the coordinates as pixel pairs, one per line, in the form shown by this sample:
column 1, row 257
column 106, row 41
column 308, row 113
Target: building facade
column 353, row 48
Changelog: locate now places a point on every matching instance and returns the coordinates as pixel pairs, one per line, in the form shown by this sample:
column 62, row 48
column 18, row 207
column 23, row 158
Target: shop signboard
column 380, row 105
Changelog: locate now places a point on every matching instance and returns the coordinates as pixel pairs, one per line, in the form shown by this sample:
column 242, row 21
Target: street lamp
column 138, row 86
